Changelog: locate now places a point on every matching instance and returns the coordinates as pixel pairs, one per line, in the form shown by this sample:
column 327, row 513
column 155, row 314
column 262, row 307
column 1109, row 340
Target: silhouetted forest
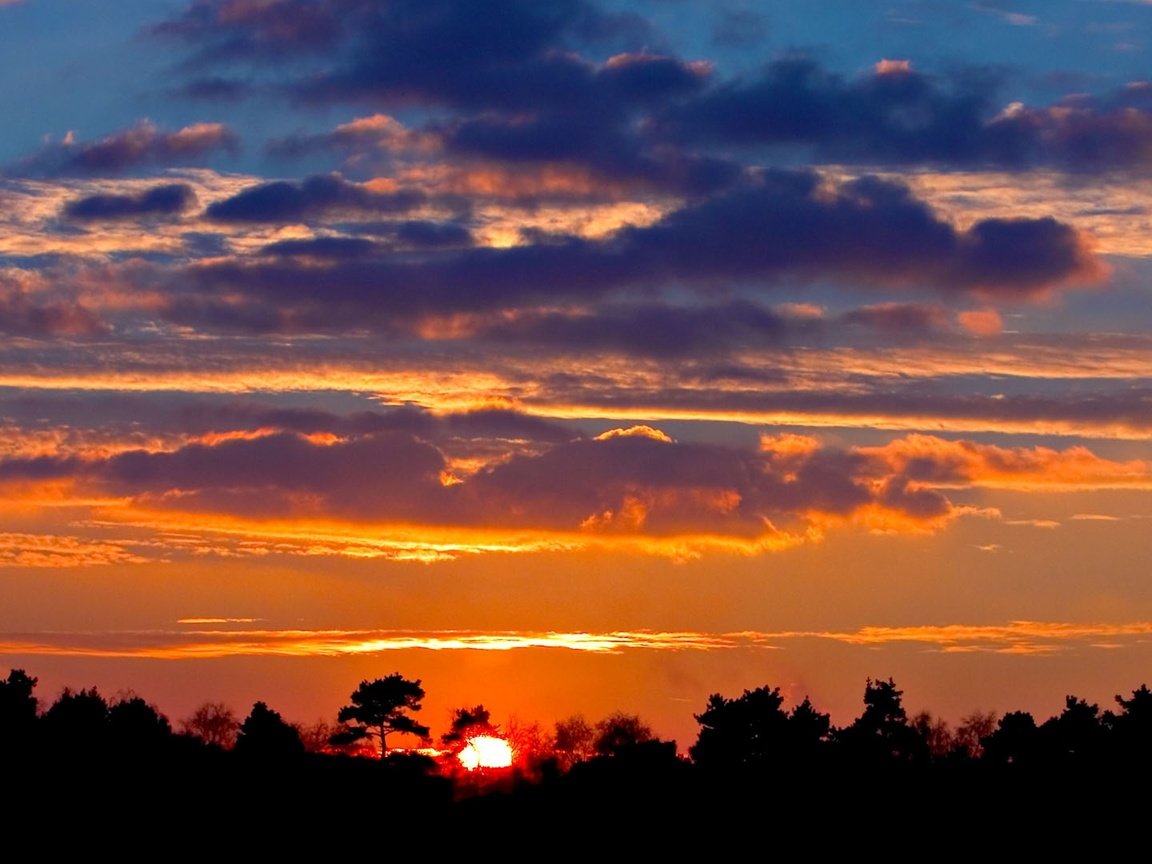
column 757, row 772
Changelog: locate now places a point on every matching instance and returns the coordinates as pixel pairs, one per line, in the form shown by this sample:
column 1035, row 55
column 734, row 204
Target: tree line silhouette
column 750, row 749
column 749, row 732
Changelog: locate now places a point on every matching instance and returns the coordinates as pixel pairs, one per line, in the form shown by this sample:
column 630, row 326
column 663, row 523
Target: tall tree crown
column 380, row 707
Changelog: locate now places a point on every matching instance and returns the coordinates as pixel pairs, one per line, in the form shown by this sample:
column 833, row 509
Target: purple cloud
column 283, row 201
column 868, row 233
column 167, row 200
column 144, row 145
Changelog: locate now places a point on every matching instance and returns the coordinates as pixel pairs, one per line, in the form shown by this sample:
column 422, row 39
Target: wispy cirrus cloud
column 1013, row 638
column 54, row 550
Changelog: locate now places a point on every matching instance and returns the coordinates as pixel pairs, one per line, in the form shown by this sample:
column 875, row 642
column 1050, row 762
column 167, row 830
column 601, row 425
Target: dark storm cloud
column 283, row 201
column 866, row 232
column 167, row 200
column 142, row 146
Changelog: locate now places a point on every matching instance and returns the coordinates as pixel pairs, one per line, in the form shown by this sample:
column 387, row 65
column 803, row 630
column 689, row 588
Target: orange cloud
column 981, row 322
column 790, row 445
column 1017, row 637
column 635, row 432
column 388, row 133
column 942, row 463
column 502, row 182
column 892, row 67
column 195, row 138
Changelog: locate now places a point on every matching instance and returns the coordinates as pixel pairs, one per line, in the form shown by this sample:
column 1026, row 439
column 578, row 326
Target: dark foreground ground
column 205, row 804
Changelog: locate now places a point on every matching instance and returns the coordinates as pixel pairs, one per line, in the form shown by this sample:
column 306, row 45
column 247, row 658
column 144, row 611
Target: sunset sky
column 577, row 356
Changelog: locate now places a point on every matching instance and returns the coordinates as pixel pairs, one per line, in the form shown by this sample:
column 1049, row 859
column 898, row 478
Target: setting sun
column 486, row 751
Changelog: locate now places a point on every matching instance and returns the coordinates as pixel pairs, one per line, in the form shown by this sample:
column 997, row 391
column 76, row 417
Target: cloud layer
column 503, row 475
column 566, row 221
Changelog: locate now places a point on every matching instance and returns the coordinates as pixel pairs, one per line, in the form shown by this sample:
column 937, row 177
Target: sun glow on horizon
column 486, row 751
